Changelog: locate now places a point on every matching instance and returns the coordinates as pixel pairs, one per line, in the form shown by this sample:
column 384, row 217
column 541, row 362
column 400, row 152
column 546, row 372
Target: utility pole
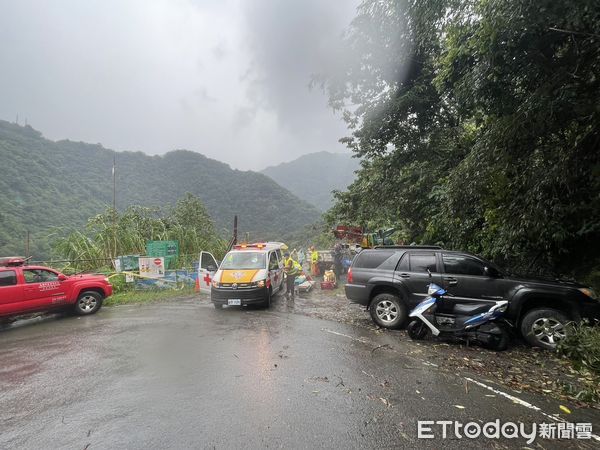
column 235, row 230
column 114, row 205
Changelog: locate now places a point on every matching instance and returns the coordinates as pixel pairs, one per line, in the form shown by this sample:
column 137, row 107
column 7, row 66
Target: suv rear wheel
column 544, row 327
column 388, row 311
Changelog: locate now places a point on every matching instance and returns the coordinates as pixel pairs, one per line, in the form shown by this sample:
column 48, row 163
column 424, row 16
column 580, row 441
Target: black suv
column 390, row 281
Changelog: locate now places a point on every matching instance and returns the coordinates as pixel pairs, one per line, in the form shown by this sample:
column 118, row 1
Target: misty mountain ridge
column 314, row 176
column 46, row 184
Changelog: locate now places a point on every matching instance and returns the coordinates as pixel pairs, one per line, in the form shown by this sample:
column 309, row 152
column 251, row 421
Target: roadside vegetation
column 128, row 296
column 478, row 127
column 113, row 233
column 582, row 348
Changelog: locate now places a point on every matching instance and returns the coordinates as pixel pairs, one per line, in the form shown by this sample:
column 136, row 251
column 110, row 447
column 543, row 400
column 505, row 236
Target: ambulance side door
column 274, row 271
column 281, row 267
column 207, row 267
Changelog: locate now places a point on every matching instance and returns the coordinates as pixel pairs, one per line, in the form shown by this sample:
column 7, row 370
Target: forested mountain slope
column 313, row 176
column 46, row 184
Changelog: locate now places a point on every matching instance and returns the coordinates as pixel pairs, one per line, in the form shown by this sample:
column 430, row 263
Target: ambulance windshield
column 244, row 260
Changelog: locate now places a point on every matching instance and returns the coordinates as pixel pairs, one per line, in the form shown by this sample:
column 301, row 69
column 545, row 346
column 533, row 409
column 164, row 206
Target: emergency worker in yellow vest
column 292, row 270
column 314, row 262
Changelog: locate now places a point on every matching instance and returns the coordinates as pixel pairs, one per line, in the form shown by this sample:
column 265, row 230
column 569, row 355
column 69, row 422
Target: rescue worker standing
column 314, row 262
column 338, row 256
column 292, row 270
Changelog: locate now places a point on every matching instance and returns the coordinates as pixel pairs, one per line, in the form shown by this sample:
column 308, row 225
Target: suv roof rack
column 426, row 247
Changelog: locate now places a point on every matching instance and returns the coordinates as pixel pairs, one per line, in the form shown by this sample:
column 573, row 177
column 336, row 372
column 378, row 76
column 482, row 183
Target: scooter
column 478, row 322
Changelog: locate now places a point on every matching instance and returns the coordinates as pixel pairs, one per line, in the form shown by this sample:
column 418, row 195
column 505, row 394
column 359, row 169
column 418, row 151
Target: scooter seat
column 470, row 309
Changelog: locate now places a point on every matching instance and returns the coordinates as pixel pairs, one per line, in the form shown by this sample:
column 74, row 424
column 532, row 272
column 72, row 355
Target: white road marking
column 362, row 341
column 518, row 401
column 510, row 397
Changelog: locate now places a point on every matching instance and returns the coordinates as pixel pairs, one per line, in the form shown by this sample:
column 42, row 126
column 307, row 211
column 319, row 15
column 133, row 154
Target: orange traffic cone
column 197, row 287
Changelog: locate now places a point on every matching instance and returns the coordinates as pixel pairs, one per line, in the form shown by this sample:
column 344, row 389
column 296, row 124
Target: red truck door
column 42, row 289
column 11, row 292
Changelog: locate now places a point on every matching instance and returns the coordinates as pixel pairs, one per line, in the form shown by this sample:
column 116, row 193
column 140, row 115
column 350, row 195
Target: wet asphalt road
column 182, row 375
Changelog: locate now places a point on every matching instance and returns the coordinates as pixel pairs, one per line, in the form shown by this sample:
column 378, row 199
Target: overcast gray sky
column 226, row 78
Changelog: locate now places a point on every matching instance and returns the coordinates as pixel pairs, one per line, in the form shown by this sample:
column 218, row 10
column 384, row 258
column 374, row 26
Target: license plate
column 234, row 302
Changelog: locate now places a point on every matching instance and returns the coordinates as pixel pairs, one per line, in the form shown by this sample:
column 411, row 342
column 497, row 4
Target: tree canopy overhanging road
column 478, row 128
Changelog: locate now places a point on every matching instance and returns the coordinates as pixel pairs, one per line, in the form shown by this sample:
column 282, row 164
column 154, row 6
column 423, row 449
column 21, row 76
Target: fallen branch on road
column 381, row 346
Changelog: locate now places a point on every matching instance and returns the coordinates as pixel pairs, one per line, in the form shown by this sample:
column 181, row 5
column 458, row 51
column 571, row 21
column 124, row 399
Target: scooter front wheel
column 417, row 330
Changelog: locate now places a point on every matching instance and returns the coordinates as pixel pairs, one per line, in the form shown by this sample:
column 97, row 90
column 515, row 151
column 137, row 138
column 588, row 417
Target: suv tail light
column 349, row 277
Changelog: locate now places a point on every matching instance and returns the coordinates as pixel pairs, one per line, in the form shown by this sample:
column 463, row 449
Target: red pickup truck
column 25, row 289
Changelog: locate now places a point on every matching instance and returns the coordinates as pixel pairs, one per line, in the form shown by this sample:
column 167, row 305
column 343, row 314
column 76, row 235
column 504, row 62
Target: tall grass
column 111, row 234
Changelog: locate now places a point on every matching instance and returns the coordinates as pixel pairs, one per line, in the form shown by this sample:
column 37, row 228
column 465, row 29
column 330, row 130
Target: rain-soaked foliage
column 478, row 125
column 113, row 233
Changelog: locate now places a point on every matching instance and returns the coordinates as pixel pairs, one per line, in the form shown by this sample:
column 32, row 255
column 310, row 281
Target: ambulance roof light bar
column 259, row 245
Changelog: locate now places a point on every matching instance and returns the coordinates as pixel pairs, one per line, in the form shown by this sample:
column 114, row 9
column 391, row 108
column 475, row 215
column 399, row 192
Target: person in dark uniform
column 338, row 258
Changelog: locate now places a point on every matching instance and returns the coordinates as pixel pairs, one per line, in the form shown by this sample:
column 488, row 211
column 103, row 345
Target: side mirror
column 62, row 277
column 211, row 268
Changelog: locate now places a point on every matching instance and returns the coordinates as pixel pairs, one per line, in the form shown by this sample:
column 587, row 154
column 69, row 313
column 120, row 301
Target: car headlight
column 216, row 284
column 588, row 292
column 259, row 283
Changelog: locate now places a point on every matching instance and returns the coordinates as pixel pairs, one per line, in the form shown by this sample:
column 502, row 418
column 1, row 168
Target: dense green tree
column 479, row 126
